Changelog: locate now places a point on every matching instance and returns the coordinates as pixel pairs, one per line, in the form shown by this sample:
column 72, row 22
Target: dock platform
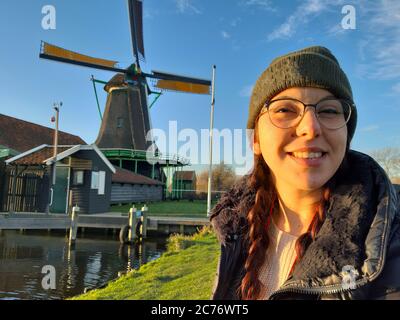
column 111, row 220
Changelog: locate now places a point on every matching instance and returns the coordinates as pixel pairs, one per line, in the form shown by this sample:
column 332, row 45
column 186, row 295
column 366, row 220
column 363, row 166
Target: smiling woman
column 313, row 219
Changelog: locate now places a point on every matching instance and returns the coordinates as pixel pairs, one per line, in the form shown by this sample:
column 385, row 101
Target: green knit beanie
column 309, row 67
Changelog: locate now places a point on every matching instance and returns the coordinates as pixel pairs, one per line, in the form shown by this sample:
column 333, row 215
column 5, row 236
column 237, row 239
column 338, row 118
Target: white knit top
column 280, row 257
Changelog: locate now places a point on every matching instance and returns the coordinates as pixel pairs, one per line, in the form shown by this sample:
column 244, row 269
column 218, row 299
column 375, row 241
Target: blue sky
column 240, row 37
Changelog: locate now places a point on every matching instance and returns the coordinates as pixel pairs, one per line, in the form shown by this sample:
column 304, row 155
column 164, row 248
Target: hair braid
column 309, row 236
column 258, row 221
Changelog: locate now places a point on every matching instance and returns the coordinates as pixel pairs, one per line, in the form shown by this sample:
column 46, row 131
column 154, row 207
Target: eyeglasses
column 286, row 113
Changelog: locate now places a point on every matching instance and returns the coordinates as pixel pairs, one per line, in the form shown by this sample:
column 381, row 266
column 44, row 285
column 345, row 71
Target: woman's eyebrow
column 288, row 97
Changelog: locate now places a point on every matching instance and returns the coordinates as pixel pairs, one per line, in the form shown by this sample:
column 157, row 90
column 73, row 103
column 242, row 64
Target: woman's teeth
column 307, row 155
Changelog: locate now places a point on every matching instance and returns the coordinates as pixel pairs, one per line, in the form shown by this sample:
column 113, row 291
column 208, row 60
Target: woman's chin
column 310, row 182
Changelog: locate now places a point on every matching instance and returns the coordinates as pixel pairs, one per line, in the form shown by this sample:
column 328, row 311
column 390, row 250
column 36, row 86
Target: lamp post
column 55, row 119
column 211, row 143
column 56, row 107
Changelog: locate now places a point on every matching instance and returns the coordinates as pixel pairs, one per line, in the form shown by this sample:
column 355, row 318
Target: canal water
column 96, row 259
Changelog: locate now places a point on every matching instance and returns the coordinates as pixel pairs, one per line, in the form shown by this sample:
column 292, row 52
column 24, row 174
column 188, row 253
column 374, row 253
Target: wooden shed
column 184, row 184
column 83, row 178
column 18, row 136
column 130, row 187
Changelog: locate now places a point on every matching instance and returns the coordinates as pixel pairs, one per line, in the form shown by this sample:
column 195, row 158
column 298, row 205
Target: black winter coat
column 361, row 230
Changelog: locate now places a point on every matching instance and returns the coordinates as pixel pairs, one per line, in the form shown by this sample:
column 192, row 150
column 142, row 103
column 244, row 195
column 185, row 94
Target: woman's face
column 280, row 147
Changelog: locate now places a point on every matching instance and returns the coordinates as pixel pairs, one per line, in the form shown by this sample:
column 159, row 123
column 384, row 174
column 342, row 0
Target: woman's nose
column 309, row 124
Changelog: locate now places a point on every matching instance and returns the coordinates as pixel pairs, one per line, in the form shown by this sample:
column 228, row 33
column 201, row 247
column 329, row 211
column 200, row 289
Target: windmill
column 126, row 122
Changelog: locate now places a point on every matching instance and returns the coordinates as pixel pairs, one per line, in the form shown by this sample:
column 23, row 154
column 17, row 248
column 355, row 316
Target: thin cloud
column 370, row 128
column 301, row 16
column 148, row 15
column 261, row 4
column 380, row 48
column 225, row 34
column 394, row 92
column 186, row 6
column 236, row 46
column 246, row 91
column 285, row 30
column 235, row 22
column 337, row 30
column 396, row 88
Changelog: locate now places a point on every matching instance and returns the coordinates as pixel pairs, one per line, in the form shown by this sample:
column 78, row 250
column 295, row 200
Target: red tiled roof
column 185, row 175
column 37, row 158
column 22, row 136
column 126, row 176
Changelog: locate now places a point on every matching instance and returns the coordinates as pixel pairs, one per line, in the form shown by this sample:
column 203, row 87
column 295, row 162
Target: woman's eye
column 330, row 111
column 284, row 110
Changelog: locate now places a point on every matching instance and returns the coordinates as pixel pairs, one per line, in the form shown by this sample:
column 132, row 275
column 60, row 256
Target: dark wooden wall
column 128, row 193
column 86, row 198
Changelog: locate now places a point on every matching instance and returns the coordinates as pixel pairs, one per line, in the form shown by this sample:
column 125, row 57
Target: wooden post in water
column 132, row 224
column 144, row 221
column 13, row 205
column 69, row 200
column 74, row 226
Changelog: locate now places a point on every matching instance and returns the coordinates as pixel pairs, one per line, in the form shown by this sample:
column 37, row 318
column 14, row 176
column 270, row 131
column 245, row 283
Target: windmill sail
column 135, row 8
column 139, row 26
column 173, row 82
column 180, row 86
column 52, row 52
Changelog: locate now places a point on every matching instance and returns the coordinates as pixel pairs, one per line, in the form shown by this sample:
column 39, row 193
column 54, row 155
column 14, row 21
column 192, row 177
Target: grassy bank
column 185, row 271
column 197, row 208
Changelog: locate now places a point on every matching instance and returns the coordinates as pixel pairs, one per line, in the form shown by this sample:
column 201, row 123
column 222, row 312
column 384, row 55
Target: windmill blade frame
column 176, row 77
column 135, row 12
column 173, row 82
column 55, row 53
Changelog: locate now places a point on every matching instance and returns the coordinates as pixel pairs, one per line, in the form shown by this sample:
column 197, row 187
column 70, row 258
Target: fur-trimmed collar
column 362, row 207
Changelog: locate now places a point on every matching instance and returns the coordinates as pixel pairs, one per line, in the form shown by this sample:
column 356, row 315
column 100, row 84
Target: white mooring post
column 74, row 225
column 132, row 224
column 144, row 221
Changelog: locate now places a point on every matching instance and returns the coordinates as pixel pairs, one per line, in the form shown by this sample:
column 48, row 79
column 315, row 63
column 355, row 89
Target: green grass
column 185, row 271
column 197, row 208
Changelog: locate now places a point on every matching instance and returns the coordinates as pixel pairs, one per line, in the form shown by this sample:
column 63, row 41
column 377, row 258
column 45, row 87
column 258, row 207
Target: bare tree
column 223, row 178
column 202, row 180
column 389, row 159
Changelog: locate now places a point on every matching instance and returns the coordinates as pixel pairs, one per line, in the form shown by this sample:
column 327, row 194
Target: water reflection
column 95, row 260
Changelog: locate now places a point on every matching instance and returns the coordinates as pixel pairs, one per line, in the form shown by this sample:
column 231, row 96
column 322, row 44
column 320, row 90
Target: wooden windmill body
column 126, row 121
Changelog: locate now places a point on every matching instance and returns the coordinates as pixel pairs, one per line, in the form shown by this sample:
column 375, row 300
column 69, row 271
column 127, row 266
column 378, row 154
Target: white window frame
column 95, row 180
column 78, row 178
column 102, row 182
